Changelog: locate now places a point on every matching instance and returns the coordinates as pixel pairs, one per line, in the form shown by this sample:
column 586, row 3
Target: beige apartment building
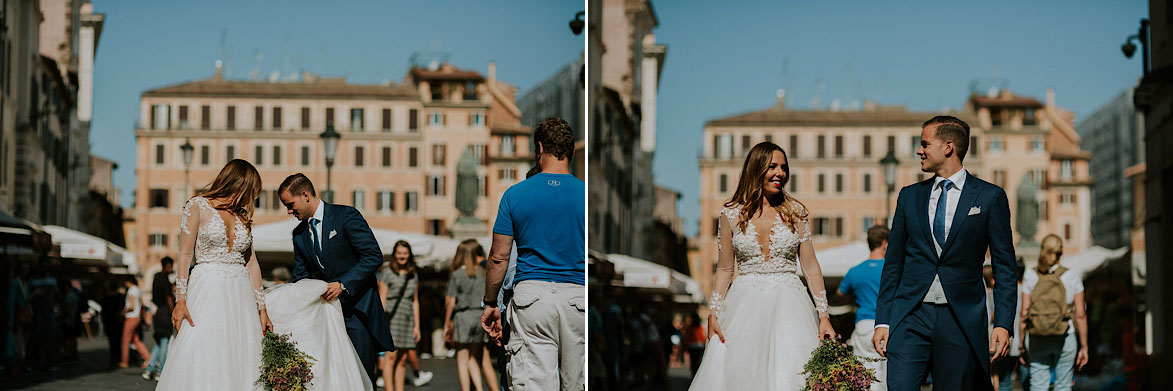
column 834, row 159
column 396, row 159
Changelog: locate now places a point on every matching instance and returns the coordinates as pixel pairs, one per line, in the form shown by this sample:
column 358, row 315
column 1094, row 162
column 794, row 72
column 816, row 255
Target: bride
column 220, row 310
column 762, row 325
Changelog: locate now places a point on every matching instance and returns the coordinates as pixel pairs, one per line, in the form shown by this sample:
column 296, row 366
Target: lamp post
column 1143, row 36
column 187, row 149
column 577, row 24
column 330, row 143
column 889, row 163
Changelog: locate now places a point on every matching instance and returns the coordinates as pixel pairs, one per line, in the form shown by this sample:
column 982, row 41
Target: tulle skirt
column 770, row 328
column 319, row 329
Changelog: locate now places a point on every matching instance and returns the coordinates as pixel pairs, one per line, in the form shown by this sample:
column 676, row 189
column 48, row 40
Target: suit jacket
column 350, row 257
column 912, row 261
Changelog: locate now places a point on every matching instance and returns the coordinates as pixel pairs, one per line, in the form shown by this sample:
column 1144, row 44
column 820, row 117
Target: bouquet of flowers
column 283, row 366
column 833, row 367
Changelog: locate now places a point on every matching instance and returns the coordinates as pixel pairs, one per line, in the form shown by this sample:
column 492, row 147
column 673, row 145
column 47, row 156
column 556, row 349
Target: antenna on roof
column 816, row 101
column 225, row 54
column 255, row 73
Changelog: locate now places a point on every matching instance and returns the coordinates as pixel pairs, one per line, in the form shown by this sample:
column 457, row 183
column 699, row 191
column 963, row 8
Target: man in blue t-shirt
column 863, row 281
column 545, row 216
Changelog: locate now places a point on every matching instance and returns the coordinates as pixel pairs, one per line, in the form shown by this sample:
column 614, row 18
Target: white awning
column 80, row 245
column 836, row 261
column 430, row 251
column 639, row 273
column 1086, row 261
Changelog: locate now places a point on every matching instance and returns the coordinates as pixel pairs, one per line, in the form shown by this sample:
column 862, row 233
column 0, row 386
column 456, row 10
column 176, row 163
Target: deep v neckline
column 766, row 249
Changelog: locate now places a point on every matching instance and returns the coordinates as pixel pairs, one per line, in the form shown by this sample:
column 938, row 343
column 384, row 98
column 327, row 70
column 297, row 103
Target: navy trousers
column 364, row 344
column 930, row 340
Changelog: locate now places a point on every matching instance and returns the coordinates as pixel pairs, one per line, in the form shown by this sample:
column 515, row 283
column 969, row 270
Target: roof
column 1006, row 99
column 446, row 72
column 776, row 116
column 319, row 89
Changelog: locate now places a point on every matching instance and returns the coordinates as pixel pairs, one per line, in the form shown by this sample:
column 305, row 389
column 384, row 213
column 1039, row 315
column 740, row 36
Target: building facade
column 561, row 95
column 395, row 161
column 1113, row 136
column 835, row 171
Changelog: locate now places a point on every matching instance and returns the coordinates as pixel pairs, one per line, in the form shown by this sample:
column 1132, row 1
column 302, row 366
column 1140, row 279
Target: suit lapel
column 307, row 245
column 327, row 220
column 922, row 213
column 969, row 195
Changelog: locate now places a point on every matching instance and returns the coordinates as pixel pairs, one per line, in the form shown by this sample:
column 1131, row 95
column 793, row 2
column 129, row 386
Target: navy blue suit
column 949, row 340
column 351, row 257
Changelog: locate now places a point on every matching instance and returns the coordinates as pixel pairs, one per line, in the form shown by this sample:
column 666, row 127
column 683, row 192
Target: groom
column 334, row 244
column 931, row 311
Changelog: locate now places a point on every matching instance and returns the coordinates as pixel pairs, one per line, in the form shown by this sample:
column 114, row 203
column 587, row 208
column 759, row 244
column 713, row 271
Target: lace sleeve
column 810, row 267
column 188, row 229
column 254, row 273
column 724, row 276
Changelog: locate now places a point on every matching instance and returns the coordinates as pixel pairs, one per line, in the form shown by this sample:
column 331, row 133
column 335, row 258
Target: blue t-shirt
column 863, row 281
column 546, row 215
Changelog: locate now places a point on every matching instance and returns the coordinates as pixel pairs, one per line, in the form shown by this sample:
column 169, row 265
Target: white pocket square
column 333, row 232
column 972, row 211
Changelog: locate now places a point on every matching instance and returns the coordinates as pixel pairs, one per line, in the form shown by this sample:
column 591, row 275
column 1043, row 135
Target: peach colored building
column 396, row 159
column 835, row 170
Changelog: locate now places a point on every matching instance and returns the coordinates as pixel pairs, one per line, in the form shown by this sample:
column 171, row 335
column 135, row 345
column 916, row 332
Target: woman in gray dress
column 399, row 288
column 462, row 319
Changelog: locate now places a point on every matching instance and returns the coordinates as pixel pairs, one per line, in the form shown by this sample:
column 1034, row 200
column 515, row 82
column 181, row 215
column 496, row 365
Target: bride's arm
column 188, row 228
column 724, row 275
column 254, row 273
column 810, row 267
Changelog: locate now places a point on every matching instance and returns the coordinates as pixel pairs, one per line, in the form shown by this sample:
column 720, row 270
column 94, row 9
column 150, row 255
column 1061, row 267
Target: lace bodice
column 209, row 245
column 777, row 264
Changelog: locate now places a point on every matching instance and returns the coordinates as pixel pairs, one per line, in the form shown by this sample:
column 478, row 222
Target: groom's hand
column 333, row 290
column 880, row 341
column 1000, row 343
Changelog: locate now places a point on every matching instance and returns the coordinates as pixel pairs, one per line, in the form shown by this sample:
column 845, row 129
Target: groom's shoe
column 422, row 378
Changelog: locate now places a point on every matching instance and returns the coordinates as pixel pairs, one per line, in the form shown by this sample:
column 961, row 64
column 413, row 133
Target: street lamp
column 577, row 24
column 889, row 163
column 330, row 143
column 187, row 149
column 1143, row 36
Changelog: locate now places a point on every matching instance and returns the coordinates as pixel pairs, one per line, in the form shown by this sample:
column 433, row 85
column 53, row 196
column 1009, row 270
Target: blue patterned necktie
column 317, row 241
column 939, row 216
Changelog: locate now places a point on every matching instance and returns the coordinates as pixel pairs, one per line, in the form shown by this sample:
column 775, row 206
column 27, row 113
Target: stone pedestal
column 469, row 228
column 1029, row 251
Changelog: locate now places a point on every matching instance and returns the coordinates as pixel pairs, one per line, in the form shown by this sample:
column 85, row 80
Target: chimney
column 492, row 73
column 219, row 73
column 781, row 96
column 1051, row 99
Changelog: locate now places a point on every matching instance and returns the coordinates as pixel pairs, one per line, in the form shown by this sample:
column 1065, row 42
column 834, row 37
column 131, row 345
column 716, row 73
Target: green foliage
column 283, row 366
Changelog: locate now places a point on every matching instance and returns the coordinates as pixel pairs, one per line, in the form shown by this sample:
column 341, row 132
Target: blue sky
column 725, row 59
column 148, row 44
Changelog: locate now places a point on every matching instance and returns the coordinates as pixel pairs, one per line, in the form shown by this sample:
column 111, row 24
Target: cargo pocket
column 579, row 303
column 522, row 300
column 517, row 365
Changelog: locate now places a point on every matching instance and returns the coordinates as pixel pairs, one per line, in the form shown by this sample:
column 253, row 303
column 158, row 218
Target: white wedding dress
column 766, row 313
column 222, row 350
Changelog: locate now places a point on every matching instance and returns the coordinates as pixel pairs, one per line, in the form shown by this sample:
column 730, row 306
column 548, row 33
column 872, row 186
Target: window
column 436, row 185
column 867, row 183
column 277, row 118
column 229, row 153
column 329, row 116
column 821, row 150
column 822, row 186
column 716, row 226
column 996, row 144
column 261, row 203
column 356, row 120
column 438, row 154
column 916, row 143
column 839, row 183
column 470, row 91
column 1037, row 144
column 507, row 174
column 436, row 119
column 838, row 147
column 793, row 146
column 437, row 91
column 476, row 120
column 769, row 138
column 1028, row 118
column 359, row 198
column 160, row 151
column 839, row 227
column 412, row 120
column 1000, row 178
column 1066, row 198
column 478, row 152
column 820, row 226
column 996, row 116
column 973, row 146
column 358, row 157
column 868, row 222
column 276, row 155
column 305, row 156
column 723, row 183
column 385, row 201
column 745, row 140
column 259, row 155
column 1045, row 210
column 508, row 145
column 724, row 146
column 205, row 155
column 867, row 146
column 184, row 123
column 157, row 239
column 386, row 119
column 1039, row 175
column 258, row 118
column 793, row 183
column 161, row 117
column 305, row 118
column 413, row 157
column 411, row 201
column 276, row 204
column 386, row 156
column 231, row 118
column 436, row 227
column 1066, row 231
column 892, row 143
column 159, row 198
column 205, row 117
column 1066, row 169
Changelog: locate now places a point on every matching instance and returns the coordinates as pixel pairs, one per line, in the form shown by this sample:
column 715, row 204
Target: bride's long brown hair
column 749, row 191
column 236, row 187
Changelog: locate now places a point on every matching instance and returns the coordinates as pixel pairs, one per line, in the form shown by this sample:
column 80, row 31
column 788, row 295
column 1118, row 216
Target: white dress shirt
column 318, row 213
column 936, row 293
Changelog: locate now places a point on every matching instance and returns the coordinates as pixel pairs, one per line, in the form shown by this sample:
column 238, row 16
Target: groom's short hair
column 296, row 184
column 950, row 128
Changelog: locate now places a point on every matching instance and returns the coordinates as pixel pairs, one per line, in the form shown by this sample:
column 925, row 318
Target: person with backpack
column 1053, row 316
